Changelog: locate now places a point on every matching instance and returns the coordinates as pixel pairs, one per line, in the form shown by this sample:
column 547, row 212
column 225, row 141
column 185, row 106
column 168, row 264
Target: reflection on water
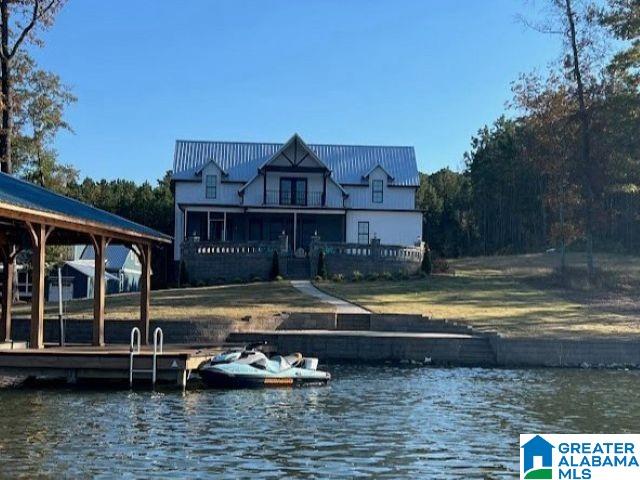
column 370, row 422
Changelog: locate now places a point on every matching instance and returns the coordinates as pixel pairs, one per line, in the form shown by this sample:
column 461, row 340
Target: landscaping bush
column 338, row 278
column 201, row 284
column 427, row 264
column 356, row 276
column 322, row 267
column 237, row 280
column 275, row 266
column 184, row 275
column 279, row 278
column 256, row 278
column 440, row 265
column 318, row 278
column 386, row 276
column 372, row 277
column 401, row 275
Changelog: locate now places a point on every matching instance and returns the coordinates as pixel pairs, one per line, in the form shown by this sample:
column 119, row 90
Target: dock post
column 39, row 234
column 8, row 254
column 182, row 379
column 99, row 246
column 145, row 287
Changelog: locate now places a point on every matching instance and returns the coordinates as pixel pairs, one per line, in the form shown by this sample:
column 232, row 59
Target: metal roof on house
column 115, row 255
column 19, row 193
column 348, row 163
column 87, row 268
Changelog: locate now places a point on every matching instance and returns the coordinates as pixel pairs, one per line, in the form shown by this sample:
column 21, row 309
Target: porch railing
column 373, row 249
column 298, row 199
column 224, row 248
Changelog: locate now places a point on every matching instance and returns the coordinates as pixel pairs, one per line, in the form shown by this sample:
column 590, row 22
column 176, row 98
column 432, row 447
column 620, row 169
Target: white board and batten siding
column 392, row 228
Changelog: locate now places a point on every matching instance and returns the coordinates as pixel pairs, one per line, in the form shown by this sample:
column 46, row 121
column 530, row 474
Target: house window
column 376, row 192
column 293, row 191
column 211, row 186
column 363, row 233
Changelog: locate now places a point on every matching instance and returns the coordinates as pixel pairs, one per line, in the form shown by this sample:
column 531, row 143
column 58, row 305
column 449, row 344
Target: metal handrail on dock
column 134, row 350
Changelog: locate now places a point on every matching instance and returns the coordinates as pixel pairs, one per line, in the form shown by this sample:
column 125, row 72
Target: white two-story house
column 252, row 192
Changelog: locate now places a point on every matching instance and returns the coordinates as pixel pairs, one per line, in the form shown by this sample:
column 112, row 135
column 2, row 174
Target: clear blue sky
column 425, row 73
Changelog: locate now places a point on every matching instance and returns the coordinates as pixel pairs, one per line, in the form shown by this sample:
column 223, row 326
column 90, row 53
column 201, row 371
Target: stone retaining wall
column 469, row 351
column 346, row 258
column 542, row 352
column 476, row 350
column 208, row 262
column 215, row 262
column 196, row 332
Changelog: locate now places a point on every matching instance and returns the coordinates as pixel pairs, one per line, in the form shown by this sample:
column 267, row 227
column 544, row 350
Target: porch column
column 145, row 287
column 39, row 234
column 8, row 254
column 224, row 226
column 295, row 231
column 99, row 246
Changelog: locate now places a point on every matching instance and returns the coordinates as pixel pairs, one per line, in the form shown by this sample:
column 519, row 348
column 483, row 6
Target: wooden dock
column 110, row 363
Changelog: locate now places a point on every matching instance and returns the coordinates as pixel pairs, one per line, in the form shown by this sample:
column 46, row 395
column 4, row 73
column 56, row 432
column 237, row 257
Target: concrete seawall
column 370, row 338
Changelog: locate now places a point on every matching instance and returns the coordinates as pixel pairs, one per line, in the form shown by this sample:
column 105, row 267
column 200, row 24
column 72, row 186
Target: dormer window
column 211, row 186
column 377, row 189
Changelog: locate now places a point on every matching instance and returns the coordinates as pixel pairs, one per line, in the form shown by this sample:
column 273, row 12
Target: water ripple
column 371, row 422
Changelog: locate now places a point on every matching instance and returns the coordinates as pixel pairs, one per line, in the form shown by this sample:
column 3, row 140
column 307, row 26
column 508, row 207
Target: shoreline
column 371, row 338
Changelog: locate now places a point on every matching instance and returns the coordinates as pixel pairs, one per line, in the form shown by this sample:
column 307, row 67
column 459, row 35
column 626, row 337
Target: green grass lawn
column 220, row 302
column 515, row 295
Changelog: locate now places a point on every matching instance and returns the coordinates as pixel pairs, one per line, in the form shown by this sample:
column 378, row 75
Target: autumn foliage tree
column 20, row 22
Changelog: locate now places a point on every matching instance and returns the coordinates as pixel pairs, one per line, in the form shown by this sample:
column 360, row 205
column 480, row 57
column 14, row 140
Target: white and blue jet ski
column 251, row 368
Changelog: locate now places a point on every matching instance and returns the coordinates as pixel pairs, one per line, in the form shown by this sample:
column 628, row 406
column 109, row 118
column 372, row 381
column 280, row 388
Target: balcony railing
column 297, row 199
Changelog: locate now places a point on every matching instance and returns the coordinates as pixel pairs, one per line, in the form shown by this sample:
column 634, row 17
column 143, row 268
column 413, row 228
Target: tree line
column 563, row 167
column 560, row 168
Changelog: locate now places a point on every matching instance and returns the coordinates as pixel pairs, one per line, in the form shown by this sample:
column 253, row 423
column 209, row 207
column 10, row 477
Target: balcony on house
column 294, row 198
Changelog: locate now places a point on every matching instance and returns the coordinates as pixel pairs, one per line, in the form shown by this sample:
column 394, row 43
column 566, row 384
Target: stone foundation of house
column 206, row 263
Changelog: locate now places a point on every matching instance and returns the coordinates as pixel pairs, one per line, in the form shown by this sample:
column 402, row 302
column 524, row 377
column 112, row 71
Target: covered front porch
column 265, row 225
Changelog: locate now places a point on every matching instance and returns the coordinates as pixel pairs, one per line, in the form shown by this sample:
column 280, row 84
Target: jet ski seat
column 295, row 359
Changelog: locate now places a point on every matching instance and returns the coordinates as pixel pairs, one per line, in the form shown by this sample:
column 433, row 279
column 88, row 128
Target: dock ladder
column 134, row 350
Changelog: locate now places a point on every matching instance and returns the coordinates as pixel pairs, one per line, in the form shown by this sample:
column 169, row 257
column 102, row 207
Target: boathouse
column 32, row 218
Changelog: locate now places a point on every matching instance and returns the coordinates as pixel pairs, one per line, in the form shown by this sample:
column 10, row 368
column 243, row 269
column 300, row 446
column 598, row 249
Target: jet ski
column 251, row 368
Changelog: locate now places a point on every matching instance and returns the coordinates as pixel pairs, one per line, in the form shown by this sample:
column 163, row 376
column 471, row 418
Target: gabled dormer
column 378, row 179
column 212, row 175
column 294, row 176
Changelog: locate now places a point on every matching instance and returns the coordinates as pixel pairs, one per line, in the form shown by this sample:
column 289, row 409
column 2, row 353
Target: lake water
column 382, row 422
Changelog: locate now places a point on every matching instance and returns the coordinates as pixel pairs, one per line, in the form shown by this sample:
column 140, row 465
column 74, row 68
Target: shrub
column 184, row 275
column 275, row 266
column 401, row 275
column 237, row 280
column 427, row 264
column 440, row 265
column 318, row 278
column 322, row 267
column 200, row 283
column 279, row 278
column 338, row 278
column 356, row 276
column 386, row 276
column 373, row 276
column 256, row 278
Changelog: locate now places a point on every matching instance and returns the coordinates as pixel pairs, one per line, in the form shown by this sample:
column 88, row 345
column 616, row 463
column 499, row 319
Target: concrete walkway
column 341, row 306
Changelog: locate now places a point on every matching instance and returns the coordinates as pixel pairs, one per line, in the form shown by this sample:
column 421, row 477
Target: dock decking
column 109, row 363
